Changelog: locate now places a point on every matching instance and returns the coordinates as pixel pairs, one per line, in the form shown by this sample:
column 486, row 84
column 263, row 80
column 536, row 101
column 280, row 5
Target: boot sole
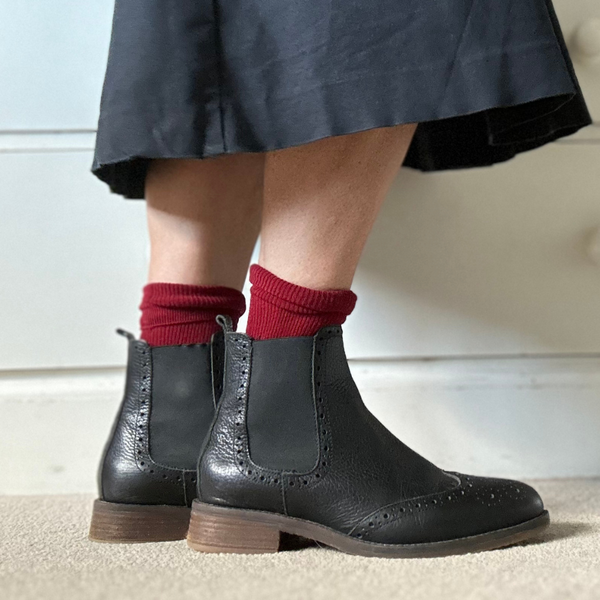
column 135, row 523
column 230, row 530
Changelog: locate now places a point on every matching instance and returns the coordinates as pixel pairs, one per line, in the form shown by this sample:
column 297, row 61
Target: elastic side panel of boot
column 182, row 406
column 282, row 432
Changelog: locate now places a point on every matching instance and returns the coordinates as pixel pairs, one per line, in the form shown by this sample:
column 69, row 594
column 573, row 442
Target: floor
column 44, row 553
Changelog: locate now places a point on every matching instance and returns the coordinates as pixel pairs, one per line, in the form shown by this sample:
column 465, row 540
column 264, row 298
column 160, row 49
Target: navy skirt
column 485, row 79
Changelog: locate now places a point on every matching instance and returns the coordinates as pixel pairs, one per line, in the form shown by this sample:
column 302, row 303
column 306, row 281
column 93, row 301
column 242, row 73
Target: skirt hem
column 126, row 175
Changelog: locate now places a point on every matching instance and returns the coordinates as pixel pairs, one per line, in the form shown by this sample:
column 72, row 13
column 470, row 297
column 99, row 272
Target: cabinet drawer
column 52, row 61
column 499, row 260
column 72, row 262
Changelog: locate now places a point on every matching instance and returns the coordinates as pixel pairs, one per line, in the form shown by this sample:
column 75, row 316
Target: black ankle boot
column 147, row 476
column 293, row 449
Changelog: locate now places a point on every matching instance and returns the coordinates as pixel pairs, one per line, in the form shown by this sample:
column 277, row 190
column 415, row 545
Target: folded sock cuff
column 297, row 298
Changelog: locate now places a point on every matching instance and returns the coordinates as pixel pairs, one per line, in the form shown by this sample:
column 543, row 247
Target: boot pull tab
column 126, row 334
column 225, row 322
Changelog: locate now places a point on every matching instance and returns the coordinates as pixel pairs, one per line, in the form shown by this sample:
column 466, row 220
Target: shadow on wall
column 490, row 260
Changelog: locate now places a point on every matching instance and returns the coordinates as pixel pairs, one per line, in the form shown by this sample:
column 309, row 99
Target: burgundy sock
column 176, row 314
column 279, row 308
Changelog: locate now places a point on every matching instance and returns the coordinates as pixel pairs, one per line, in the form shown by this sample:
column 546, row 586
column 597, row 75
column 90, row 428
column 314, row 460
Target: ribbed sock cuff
column 177, row 314
column 279, row 308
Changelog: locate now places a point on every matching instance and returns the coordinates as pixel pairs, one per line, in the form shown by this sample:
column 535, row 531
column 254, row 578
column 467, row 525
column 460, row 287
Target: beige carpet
column 44, row 553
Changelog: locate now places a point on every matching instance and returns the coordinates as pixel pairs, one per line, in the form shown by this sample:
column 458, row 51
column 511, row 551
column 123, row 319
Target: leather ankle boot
column 294, row 450
column 147, row 477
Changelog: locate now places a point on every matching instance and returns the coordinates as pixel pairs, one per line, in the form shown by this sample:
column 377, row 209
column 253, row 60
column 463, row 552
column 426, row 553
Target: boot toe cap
column 475, row 506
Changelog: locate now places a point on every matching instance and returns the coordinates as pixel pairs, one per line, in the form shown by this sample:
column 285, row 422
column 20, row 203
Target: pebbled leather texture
column 136, row 469
column 228, row 475
column 477, row 505
column 366, row 483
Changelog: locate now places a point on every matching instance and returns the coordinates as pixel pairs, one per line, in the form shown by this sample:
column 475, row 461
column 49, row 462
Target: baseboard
column 510, row 417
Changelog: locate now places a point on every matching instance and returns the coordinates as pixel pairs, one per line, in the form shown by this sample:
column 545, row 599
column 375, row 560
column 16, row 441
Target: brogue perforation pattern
column 241, row 453
column 315, row 476
column 487, row 492
column 142, row 456
column 243, row 357
column 372, row 486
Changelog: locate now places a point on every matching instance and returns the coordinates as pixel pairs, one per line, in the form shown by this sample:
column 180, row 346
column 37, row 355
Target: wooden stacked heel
column 134, row 523
column 213, row 530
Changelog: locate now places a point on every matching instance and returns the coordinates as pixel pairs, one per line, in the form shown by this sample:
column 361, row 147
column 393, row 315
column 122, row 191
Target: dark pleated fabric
column 485, row 79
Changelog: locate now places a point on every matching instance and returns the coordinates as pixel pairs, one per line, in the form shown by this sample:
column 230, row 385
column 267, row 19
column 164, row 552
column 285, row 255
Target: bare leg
column 204, row 218
column 321, row 200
